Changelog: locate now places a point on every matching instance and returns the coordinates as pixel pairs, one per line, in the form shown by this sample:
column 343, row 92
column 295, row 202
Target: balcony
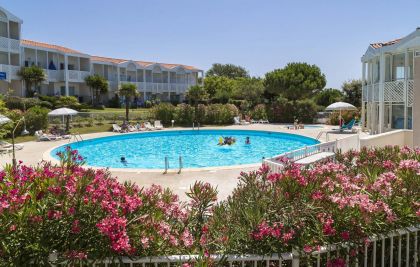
column 55, row 75
column 78, row 76
column 11, row 72
column 8, row 44
column 398, row 91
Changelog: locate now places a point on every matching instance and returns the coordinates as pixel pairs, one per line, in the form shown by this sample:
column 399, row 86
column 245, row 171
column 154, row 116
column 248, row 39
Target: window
column 63, row 90
column 399, row 73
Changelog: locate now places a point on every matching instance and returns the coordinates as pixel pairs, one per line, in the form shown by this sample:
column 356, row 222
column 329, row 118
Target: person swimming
column 247, row 141
column 123, row 160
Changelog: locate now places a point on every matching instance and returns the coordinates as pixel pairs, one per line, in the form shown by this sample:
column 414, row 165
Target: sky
column 260, row 35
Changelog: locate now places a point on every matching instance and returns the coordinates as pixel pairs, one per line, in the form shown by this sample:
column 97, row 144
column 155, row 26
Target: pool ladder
column 321, row 133
column 167, row 164
column 198, row 126
column 76, row 137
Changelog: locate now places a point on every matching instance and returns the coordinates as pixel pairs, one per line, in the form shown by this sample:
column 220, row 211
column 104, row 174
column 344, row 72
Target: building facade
column 66, row 69
column 388, row 76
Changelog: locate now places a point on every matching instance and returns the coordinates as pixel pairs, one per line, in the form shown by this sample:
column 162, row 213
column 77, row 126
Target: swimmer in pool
column 123, row 160
column 247, row 141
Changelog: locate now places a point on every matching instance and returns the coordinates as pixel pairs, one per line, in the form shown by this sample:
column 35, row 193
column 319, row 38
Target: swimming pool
column 198, row 149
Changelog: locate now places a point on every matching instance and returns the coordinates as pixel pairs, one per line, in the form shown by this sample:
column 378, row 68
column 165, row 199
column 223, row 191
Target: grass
column 117, row 110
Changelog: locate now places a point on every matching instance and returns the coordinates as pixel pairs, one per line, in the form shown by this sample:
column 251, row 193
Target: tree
column 328, row 96
column 295, row 81
column 98, row 85
column 227, row 70
column 219, row 89
column 32, row 76
column 353, row 92
column 128, row 91
column 196, row 94
column 249, row 89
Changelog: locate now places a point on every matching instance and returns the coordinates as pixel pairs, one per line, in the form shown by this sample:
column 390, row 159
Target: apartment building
column 65, row 69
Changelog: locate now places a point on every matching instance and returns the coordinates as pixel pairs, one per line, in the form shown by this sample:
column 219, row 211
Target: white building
column 66, row 68
column 388, row 83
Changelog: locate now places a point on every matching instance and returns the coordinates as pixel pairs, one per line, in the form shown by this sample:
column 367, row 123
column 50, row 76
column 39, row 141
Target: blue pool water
column 197, row 148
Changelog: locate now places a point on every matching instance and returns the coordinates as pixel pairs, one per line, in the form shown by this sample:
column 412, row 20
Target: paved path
column 225, row 180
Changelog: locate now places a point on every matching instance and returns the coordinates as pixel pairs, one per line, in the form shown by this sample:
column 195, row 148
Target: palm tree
column 98, row 85
column 33, row 75
column 128, row 91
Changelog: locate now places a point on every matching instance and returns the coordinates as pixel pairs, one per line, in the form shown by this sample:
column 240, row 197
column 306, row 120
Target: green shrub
column 36, row 118
column 68, row 102
column 46, row 104
column 200, row 113
column 15, row 102
column 114, row 102
column 285, row 111
column 259, row 112
column 184, row 114
column 221, row 114
column 164, row 112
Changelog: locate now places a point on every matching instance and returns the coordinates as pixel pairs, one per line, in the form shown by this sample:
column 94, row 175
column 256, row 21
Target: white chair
column 158, row 125
column 6, row 145
column 236, row 121
column 116, row 128
column 149, row 126
column 40, row 136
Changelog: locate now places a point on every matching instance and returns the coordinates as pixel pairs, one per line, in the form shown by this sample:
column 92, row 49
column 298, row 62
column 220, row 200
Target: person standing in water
column 247, row 141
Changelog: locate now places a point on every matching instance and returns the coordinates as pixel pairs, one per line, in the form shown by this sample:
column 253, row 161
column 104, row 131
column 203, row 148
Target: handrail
column 180, row 164
column 320, row 134
column 77, row 137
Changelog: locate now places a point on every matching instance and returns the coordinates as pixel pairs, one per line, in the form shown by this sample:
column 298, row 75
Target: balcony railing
column 78, row 76
column 11, row 71
column 9, row 44
column 394, row 91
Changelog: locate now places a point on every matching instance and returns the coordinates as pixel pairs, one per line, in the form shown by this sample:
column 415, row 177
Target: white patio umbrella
column 63, row 112
column 340, row 106
column 4, row 119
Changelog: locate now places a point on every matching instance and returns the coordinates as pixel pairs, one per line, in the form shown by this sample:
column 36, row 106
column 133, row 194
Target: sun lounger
column 131, row 128
column 6, row 145
column 347, row 127
column 40, row 136
column 236, row 121
column 158, row 125
column 149, row 126
column 116, row 128
column 264, row 121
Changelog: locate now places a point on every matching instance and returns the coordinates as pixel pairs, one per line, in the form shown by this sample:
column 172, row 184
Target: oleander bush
column 335, row 202
column 164, row 112
column 75, row 214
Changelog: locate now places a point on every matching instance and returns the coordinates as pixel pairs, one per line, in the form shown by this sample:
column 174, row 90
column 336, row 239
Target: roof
column 379, row 45
column 50, row 46
column 99, row 58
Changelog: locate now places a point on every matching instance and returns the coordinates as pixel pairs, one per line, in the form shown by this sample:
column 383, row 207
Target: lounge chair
column 264, row 121
column 347, row 127
column 6, row 145
column 131, row 128
column 116, row 128
column 158, row 125
column 149, row 126
column 40, row 136
column 254, row 121
column 236, row 121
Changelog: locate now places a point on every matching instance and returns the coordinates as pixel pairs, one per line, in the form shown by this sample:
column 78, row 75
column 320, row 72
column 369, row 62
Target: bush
column 36, row 118
column 259, row 112
column 68, row 102
column 164, row 112
column 200, row 113
column 285, row 111
column 84, row 214
column 184, row 114
column 334, row 202
column 221, row 114
column 115, row 102
column 15, row 102
column 347, row 115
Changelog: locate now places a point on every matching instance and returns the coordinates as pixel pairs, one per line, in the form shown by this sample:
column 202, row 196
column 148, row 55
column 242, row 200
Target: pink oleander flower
column 345, row 235
column 307, row 249
column 187, row 238
column 409, row 164
column 338, row 262
column 145, row 242
column 75, row 227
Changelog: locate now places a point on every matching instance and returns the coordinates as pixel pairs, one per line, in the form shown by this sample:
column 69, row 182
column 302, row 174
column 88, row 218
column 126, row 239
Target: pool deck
column 225, row 179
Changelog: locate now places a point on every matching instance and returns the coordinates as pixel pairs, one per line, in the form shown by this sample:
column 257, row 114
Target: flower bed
column 84, row 214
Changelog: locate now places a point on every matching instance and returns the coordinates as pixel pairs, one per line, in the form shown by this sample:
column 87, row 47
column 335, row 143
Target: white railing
column 55, row 75
column 275, row 162
column 376, row 92
column 10, row 70
column 77, row 75
column 9, row 44
column 410, row 93
column 394, row 91
column 398, row 248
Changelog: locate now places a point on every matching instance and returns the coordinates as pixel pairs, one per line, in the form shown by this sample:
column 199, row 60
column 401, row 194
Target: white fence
column 398, row 248
column 275, row 162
